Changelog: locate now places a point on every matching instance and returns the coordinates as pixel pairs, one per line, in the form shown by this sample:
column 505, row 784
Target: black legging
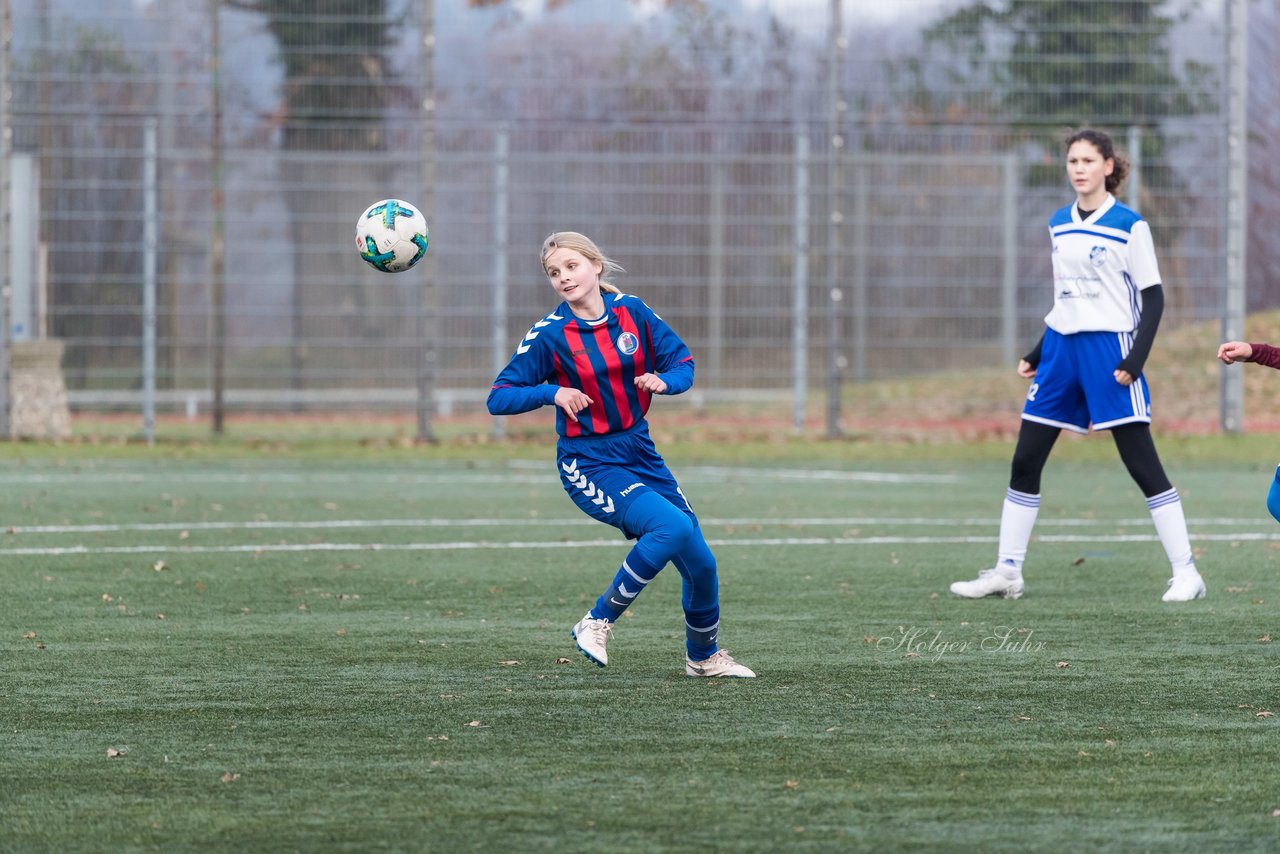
column 1133, row 441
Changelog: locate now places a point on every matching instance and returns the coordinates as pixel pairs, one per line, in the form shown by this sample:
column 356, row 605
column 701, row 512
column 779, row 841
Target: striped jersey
column 1100, row 267
column 602, row 358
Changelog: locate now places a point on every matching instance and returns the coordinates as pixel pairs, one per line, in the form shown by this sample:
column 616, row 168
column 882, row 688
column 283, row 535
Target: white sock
column 1017, row 518
column 1171, row 525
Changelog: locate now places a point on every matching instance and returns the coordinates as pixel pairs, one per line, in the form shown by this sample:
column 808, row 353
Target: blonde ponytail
column 587, row 248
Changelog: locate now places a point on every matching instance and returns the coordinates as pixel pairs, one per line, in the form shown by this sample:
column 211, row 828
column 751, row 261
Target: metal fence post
column 218, row 247
column 427, row 324
column 1009, row 265
column 861, row 278
column 800, row 283
column 835, row 217
column 1135, row 167
column 501, row 247
column 149, row 248
column 716, row 252
column 1235, row 222
column 6, row 158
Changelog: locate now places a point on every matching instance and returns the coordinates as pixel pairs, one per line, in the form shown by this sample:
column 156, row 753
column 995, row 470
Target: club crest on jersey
column 627, row 343
column 1098, row 256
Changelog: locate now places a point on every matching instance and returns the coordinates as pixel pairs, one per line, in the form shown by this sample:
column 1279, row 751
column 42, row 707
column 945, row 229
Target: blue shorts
column 1075, row 386
column 603, row 475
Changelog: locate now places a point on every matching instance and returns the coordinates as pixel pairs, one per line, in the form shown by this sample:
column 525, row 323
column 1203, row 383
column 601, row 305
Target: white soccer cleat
column 720, row 664
column 990, row 582
column 1184, row 587
column 592, row 635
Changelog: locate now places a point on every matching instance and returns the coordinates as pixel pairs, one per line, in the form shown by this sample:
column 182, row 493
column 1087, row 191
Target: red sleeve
column 1265, row 354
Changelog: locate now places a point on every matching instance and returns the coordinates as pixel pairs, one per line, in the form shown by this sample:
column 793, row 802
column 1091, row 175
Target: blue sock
column 700, row 597
column 701, row 628
column 1273, row 497
column 662, row 530
column 633, row 576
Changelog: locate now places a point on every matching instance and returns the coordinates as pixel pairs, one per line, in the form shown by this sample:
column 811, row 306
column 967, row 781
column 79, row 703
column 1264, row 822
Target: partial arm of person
column 672, row 358
column 1240, row 351
column 523, row 385
column 1028, row 364
column 507, row 399
column 1130, row 367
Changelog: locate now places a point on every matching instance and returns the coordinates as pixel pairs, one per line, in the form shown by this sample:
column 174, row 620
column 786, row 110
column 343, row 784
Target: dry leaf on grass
column 229, row 777
column 29, row 636
column 116, row 752
column 1062, row 665
column 510, row 662
column 791, row 784
column 1265, row 714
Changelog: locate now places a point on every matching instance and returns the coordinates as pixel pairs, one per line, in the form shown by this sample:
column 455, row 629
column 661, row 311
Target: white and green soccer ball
column 391, row 235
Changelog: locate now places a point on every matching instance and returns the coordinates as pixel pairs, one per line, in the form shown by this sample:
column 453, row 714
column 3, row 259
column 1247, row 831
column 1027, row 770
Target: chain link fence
column 814, row 192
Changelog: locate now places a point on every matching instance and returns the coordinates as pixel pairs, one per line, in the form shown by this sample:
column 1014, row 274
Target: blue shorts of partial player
column 604, row 475
column 1075, row 385
column 1273, row 496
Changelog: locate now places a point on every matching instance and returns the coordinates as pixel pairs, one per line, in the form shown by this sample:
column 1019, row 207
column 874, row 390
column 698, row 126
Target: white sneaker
column 1184, row 587
column 720, row 664
column 990, row 582
column 592, row 635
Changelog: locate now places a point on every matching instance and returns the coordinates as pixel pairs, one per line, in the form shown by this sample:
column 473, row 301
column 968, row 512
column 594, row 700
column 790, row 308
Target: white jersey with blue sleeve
column 1101, row 265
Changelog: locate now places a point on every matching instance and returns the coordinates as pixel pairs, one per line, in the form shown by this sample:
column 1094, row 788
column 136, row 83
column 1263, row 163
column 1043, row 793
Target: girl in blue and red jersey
column 599, row 358
column 1262, row 354
column 1086, row 372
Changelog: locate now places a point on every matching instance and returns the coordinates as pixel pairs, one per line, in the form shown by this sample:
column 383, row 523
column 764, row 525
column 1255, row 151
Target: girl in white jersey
column 1086, row 370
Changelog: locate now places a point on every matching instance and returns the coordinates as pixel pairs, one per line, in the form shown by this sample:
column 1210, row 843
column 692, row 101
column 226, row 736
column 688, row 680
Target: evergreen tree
column 337, row 79
column 1045, row 66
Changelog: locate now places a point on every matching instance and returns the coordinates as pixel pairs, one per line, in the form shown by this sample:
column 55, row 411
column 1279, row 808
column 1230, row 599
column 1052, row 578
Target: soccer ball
column 391, row 235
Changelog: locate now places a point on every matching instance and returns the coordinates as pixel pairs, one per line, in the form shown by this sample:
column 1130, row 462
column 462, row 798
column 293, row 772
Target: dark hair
column 1107, row 149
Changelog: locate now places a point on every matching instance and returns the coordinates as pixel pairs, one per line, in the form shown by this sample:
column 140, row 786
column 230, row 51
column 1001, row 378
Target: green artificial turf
column 321, row 653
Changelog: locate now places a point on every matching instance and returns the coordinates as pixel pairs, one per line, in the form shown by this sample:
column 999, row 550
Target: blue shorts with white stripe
column 1075, row 387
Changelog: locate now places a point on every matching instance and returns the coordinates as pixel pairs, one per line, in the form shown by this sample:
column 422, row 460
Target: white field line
column 753, row 542
column 269, row 477
column 782, row 472
column 534, row 522
column 704, row 474
column 723, row 473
